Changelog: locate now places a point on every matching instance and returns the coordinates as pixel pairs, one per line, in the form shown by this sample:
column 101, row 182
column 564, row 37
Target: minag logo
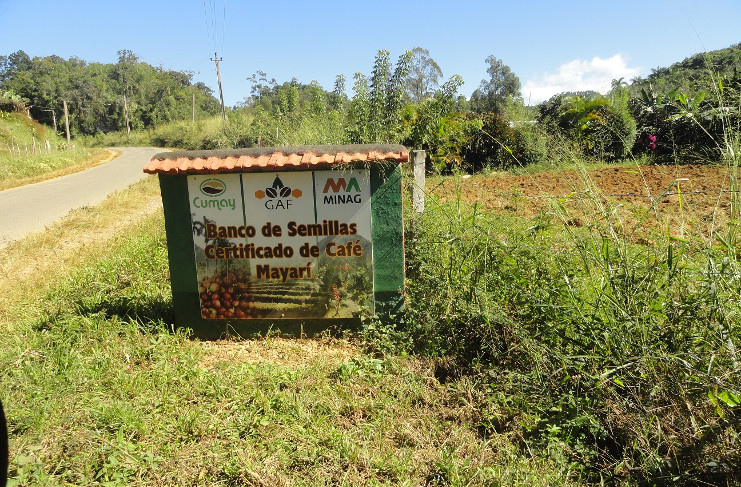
column 213, row 187
column 344, row 191
column 279, row 195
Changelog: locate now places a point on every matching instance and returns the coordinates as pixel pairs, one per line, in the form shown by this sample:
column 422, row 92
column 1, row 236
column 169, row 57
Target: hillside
column 695, row 73
column 104, row 97
column 32, row 152
column 18, row 132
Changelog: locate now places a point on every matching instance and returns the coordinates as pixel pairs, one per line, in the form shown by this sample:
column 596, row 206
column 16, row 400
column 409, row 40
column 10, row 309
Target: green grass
column 620, row 359
column 25, row 159
column 531, row 352
column 99, row 390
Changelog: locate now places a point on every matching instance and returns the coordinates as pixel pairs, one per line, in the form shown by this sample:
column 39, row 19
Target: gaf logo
column 278, row 195
column 345, row 191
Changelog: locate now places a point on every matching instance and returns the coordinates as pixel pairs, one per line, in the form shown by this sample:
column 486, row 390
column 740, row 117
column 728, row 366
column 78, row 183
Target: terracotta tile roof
column 273, row 158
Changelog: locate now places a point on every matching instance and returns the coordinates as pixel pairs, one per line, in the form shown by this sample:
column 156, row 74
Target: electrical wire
column 223, row 27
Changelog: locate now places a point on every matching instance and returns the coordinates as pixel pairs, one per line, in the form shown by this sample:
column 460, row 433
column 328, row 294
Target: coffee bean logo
column 213, row 187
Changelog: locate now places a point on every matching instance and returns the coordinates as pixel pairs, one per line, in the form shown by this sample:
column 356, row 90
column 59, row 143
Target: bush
column 671, row 135
column 597, row 127
column 489, row 147
column 620, row 358
column 10, row 102
column 502, row 144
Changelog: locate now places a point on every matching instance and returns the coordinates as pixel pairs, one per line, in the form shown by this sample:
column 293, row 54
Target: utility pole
column 53, row 117
column 66, row 118
column 193, row 118
column 216, row 59
column 126, row 113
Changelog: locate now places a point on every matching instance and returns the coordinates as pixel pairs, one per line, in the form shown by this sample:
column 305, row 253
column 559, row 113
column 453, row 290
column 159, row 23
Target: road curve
column 33, row 207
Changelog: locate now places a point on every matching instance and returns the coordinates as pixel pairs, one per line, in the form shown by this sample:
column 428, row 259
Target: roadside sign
column 301, row 246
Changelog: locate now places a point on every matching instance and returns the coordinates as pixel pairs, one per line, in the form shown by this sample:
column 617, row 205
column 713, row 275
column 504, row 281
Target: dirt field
column 689, row 200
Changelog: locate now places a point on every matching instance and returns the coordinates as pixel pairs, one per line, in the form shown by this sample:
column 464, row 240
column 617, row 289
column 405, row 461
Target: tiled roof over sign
column 273, row 158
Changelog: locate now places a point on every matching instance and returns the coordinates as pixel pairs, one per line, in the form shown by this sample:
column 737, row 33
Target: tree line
column 680, row 113
column 99, row 96
column 666, row 117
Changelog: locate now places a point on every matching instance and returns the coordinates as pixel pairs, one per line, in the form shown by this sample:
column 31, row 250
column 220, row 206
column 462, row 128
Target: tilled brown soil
column 643, row 201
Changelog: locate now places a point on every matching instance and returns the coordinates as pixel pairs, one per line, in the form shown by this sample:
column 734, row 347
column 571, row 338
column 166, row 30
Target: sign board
column 283, row 244
column 297, row 239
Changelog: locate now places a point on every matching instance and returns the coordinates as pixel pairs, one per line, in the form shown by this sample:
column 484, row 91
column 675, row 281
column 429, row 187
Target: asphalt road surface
column 30, row 208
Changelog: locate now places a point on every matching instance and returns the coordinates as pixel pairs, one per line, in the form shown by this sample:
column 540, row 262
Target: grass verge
column 21, row 170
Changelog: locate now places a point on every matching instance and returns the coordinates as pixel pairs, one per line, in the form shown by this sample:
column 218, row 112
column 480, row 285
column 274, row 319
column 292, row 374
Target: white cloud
column 578, row 75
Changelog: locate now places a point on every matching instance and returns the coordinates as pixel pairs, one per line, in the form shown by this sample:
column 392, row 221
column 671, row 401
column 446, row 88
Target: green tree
column 375, row 111
column 338, row 96
column 493, row 94
column 95, row 92
column 424, row 75
column 440, row 129
column 12, row 64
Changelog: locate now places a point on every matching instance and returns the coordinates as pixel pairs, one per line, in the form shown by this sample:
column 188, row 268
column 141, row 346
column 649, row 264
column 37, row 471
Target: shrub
column 10, row 102
column 677, row 128
column 598, row 127
column 503, row 144
column 492, row 145
column 620, row 358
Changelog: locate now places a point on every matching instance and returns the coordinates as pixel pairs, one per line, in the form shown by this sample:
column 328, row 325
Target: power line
column 223, row 27
column 211, row 34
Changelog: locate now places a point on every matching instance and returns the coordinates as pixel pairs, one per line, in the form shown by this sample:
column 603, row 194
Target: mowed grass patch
column 99, row 388
column 28, row 169
column 95, row 400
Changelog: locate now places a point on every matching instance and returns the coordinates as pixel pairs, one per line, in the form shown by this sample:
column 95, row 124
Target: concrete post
column 418, row 189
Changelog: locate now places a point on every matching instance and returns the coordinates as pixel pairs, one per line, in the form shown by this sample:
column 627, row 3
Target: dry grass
column 31, row 265
column 289, row 352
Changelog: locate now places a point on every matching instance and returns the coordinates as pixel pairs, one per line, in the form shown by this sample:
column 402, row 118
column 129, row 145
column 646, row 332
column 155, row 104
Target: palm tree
column 580, row 113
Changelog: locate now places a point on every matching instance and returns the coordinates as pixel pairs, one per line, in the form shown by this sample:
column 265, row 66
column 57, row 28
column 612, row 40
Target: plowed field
column 644, row 201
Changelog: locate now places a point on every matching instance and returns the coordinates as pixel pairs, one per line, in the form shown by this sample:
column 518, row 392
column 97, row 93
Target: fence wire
column 587, row 195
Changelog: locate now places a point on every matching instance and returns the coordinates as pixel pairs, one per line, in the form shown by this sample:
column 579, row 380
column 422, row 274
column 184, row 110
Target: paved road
column 30, row 208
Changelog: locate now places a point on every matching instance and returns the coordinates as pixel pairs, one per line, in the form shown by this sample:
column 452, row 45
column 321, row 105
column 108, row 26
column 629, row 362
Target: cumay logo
column 212, row 189
column 278, row 195
column 345, row 191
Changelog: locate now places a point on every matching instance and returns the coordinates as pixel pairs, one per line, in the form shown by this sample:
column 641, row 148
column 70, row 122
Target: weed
column 608, row 351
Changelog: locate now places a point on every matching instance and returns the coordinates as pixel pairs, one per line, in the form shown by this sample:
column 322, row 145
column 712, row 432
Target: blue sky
column 552, row 46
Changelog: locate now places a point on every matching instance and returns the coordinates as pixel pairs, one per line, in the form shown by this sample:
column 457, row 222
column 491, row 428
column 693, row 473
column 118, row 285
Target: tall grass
column 243, row 128
column 618, row 358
